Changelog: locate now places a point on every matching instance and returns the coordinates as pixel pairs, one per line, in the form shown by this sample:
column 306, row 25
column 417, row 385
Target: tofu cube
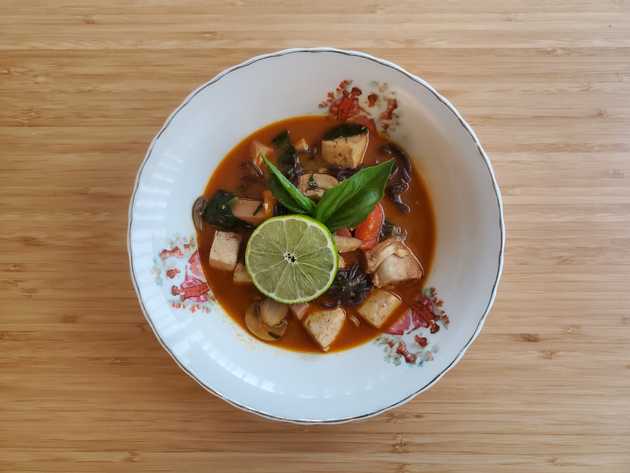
column 324, row 326
column 396, row 269
column 314, row 185
column 249, row 210
column 241, row 276
column 345, row 152
column 224, row 250
column 299, row 310
column 378, row 307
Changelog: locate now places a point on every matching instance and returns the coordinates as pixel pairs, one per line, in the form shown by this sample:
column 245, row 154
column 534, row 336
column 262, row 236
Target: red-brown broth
column 419, row 224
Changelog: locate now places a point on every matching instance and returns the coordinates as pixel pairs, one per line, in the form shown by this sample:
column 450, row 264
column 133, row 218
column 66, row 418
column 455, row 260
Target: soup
column 367, row 295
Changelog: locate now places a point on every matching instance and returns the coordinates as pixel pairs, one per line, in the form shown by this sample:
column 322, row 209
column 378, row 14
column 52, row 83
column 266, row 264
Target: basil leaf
column 349, row 203
column 345, row 129
column 218, row 212
column 288, row 160
column 288, row 195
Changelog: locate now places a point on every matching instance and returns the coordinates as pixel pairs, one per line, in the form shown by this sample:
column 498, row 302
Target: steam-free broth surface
column 235, row 299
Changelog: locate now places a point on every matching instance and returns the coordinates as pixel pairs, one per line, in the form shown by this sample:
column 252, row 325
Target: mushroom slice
column 197, row 212
column 272, row 313
column 257, row 327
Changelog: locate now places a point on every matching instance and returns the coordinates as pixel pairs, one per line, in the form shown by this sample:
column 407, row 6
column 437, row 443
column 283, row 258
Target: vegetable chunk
column 346, row 244
column 272, row 312
column 345, row 151
column 378, row 307
column 258, row 150
column 241, row 276
column 224, row 250
column 314, row 185
column 392, row 262
column 396, row 269
column 381, row 252
column 324, row 326
column 249, row 210
column 299, row 310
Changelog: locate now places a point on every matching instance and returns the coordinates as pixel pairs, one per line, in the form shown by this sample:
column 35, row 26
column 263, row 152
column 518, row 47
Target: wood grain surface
column 85, row 386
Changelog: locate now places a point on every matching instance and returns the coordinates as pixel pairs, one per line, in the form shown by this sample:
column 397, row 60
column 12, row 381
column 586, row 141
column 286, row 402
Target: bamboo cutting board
column 84, row 385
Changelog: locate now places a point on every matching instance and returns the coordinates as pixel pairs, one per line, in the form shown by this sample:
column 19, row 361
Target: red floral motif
column 168, row 252
column 402, row 350
column 344, row 103
column 425, row 312
column 422, row 341
column 388, row 114
column 192, row 288
column 408, row 322
column 347, row 103
column 171, row 273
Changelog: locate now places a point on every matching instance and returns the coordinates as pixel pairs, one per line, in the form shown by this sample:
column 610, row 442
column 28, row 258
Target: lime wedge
column 291, row 258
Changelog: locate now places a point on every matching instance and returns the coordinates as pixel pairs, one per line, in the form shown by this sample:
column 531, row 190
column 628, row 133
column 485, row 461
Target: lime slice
column 291, row 258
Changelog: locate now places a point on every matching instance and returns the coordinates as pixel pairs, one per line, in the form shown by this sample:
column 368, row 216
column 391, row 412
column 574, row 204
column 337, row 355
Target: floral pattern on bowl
column 177, row 268
column 377, row 108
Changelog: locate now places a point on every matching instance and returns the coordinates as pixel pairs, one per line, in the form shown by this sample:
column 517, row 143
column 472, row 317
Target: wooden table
column 85, row 386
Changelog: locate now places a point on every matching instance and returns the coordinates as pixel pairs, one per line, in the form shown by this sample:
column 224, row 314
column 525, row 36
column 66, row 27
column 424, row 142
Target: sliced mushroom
column 272, row 313
column 257, row 327
column 197, row 212
column 314, row 185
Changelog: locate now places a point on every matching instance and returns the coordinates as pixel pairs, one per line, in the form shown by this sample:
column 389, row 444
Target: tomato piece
column 370, row 228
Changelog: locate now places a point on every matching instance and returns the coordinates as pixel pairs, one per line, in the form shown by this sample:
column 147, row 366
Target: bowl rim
column 449, row 106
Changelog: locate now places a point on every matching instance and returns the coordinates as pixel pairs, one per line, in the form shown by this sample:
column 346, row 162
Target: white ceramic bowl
column 261, row 378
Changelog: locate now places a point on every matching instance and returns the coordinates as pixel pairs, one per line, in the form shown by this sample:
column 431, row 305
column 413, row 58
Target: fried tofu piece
column 378, row 307
column 392, row 262
column 346, row 244
column 345, row 151
column 249, row 210
column 324, row 326
column 396, row 269
column 299, row 310
column 314, row 185
column 378, row 254
column 241, row 276
column 224, row 250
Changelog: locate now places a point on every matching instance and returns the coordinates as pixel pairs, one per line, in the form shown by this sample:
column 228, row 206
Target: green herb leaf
column 349, row 203
column 345, row 129
column 288, row 195
column 218, row 212
column 288, row 159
